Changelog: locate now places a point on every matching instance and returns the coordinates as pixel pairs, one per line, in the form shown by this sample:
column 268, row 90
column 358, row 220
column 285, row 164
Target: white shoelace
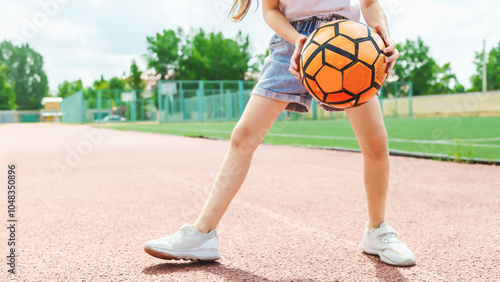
column 390, row 238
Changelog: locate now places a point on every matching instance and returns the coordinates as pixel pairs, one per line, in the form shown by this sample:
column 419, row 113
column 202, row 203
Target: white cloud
column 84, row 39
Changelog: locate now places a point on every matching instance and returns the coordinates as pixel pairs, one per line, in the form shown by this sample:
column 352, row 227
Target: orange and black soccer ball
column 343, row 64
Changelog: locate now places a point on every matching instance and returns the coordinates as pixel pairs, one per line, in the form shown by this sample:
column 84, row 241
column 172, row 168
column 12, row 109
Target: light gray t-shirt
column 295, row 10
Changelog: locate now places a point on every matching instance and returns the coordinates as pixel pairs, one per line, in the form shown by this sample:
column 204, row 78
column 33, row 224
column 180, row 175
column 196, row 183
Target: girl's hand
column 391, row 51
column 295, row 60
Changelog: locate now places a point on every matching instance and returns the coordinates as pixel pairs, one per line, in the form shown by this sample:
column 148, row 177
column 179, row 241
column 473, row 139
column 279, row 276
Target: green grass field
column 458, row 137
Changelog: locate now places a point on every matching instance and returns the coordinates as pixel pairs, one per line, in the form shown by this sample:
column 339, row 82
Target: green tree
column 68, row 88
column 163, row 51
column 492, row 71
column 25, row 74
column 101, row 84
column 427, row 75
column 117, row 83
column 134, row 80
column 213, row 57
column 445, row 81
column 415, row 65
column 7, row 96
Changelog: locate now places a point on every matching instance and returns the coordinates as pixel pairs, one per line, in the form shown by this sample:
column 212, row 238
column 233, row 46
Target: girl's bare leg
column 259, row 115
column 368, row 125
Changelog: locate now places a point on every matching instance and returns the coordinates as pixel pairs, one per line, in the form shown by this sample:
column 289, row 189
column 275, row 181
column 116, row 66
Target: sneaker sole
column 162, row 254
column 370, row 251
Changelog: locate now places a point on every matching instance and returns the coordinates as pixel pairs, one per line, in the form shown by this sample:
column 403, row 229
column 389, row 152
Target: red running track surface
column 298, row 217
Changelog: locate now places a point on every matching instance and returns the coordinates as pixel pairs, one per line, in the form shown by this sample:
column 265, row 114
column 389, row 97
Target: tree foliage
column 163, row 51
column 203, row 56
column 213, row 57
column 68, row 88
column 135, row 80
column 7, row 96
column 25, row 73
column 416, row 65
column 492, row 70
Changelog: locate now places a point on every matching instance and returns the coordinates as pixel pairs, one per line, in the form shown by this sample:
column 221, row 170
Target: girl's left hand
column 391, row 51
column 295, row 60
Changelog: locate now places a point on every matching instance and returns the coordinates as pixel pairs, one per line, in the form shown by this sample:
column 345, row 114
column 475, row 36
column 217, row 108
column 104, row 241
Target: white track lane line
column 397, row 140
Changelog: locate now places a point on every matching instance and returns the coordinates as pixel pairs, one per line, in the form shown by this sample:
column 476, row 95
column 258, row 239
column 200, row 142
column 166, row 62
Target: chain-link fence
column 108, row 106
column 202, row 100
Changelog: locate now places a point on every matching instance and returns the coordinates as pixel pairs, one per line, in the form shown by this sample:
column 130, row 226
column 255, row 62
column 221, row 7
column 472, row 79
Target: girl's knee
column 376, row 145
column 245, row 138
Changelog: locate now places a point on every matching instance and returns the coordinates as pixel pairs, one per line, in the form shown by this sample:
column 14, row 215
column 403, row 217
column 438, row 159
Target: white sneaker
column 383, row 242
column 188, row 244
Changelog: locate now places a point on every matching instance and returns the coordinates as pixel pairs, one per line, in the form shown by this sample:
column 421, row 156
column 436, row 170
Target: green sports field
column 459, row 137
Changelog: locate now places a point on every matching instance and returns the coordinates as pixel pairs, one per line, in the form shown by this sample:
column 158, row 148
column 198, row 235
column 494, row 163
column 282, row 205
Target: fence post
column 166, row 106
column 133, row 107
column 99, row 100
column 229, row 105
column 315, row 109
column 411, row 99
column 181, row 100
column 109, row 107
column 241, row 97
column 160, row 102
column 200, row 95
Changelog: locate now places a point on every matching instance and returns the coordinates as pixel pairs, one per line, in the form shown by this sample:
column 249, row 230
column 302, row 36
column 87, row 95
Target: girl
column 278, row 90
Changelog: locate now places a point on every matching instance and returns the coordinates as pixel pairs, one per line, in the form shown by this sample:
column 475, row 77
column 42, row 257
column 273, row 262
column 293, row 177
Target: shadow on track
column 386, row 272
column 211, row 267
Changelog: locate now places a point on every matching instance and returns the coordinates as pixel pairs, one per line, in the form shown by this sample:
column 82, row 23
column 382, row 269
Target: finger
column 391, row 59
column 380, row 31
column 294, row 72
column 390, row 48
column 389, row 69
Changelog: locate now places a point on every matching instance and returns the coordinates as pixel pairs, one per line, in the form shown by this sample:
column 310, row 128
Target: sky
column 86, row 39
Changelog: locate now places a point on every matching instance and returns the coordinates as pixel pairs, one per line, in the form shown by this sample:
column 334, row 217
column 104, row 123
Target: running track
column 84, row 216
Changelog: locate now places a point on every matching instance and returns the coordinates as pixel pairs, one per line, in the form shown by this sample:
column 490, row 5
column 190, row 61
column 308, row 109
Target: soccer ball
column 343, row 64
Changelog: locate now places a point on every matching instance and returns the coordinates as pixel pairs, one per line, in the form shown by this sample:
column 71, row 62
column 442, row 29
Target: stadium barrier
column 96, row 105
column 19, row 116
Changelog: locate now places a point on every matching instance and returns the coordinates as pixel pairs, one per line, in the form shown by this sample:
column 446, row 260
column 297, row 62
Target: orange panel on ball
column 357, row 78
column 324, row 34
column 353, row 29
column 337, row 97
column 336, row 59
column 313, row 88
column 380, row 70
column 367, row 95
column 367, row 52
column 378, row 40
column 314, row 64
column 308, row 50
column 329, row 79
column 343, row 43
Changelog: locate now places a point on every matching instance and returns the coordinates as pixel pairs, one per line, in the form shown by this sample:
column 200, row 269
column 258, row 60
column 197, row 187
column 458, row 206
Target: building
column 52, row 109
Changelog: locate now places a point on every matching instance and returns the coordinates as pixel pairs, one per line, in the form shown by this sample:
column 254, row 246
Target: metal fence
column 106, row 105
column 201, row 101
column 180, row 101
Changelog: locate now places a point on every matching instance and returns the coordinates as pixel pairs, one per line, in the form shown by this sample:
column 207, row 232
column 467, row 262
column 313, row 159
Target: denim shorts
column 276, row 82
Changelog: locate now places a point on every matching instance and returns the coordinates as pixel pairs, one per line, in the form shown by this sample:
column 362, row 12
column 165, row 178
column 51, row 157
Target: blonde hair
column 240, row 9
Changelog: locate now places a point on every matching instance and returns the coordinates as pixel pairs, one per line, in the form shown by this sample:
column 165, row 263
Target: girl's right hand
column 295, row 60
